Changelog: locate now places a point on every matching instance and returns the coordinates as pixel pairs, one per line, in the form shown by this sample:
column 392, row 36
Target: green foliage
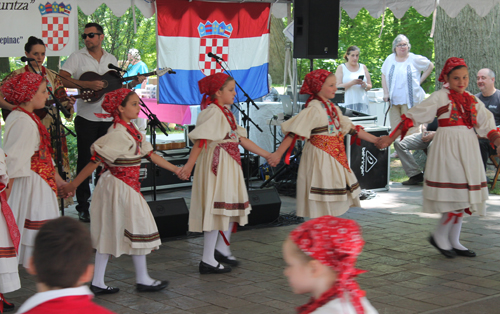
column 364, row 30
column 119, row 33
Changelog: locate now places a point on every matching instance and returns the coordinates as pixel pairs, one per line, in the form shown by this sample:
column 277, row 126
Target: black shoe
column 466, row 253
column 100, row 291
column 84, row 216
column 7, row 306
column 221, row 258
column 447, row 253
column 209, row 269
column 419, row 178
column 156, row 286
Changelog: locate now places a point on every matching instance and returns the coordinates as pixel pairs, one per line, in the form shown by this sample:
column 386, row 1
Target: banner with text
column 55, row 23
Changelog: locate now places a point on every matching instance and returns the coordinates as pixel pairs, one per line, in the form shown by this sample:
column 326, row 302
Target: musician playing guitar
column 88, row 126
column 35, row 49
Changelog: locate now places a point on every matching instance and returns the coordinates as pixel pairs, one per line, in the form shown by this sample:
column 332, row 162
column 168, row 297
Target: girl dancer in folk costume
column 320, row 255
column 33, row 179
column 454, row 180
column 122, row 222
column 219, row 196
column 325, row 183
column 9, row 242
column 35, row 49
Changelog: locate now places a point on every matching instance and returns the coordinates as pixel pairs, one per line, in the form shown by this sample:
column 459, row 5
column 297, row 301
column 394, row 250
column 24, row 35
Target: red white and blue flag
column 187, row 31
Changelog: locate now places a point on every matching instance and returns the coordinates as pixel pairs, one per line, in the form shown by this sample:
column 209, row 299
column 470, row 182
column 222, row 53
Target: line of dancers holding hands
column 122, row 222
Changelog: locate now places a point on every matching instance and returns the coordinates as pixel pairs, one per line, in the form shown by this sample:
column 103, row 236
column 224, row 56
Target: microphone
column 216, row 57
column 114, row 67
column 26, row 59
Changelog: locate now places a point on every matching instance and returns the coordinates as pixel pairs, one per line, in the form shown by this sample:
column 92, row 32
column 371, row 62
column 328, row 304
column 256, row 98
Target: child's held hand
column 183, row 174
column 274, row 159
column 66, row 190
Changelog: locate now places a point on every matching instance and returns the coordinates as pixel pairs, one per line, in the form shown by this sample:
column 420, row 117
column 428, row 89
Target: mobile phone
column 361, row 77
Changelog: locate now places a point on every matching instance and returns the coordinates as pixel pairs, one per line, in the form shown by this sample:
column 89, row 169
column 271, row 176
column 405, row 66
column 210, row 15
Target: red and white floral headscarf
column 313, row 82
column 209, row 85
column 449, row 65
column 21, row 88
column 336, row 243
column 111, row 102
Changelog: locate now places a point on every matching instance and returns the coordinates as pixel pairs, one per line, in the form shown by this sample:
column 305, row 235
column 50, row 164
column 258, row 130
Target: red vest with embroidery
column 333, row 146
column 45, row 168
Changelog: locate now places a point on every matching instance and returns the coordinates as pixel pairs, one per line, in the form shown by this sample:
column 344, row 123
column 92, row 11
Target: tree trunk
column 53, row 63
column 4, row 67
column 468, row 36
column 277, row 50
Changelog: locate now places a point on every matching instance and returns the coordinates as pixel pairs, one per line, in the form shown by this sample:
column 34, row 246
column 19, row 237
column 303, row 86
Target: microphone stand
column 246, row 120
column 153, row 124
column 58, row 137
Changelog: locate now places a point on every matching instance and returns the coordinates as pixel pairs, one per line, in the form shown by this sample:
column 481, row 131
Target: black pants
column 486, row 150
column 87, row 132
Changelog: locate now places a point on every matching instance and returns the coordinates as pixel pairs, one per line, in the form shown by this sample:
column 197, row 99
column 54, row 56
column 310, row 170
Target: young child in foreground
column 61, row 263
column 320, row 255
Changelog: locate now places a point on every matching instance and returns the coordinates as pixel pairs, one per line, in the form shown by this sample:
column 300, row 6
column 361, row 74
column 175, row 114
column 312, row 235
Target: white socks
column 222, row 247
column 101, row 260
column 210, row 239
column 447, row 233
column 455, row 232
column 141, row 270
column 441, row 234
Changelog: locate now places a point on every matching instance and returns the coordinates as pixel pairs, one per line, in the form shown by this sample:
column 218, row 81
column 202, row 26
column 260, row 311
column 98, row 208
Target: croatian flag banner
column 187, row 31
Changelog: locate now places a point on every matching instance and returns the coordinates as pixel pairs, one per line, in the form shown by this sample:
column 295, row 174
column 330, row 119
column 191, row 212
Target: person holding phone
column 354, row 77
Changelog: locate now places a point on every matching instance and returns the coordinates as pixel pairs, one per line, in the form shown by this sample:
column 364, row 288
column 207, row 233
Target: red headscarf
column 21, row 88
column 111, row 102
column 336, row 243
column 209, row 85
column 313, row 83
column 449, row 65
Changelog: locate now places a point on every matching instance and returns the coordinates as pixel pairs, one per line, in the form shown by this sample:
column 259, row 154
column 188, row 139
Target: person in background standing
column 355, row 78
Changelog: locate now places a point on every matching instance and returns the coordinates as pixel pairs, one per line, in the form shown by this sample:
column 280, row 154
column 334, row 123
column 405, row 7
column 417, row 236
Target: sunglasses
column 91, row 35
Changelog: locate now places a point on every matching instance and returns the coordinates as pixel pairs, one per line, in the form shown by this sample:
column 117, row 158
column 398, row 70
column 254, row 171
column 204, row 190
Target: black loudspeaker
column 171, row 216
column 316, row 29
column 370, row 164
column 188, row 128
column 266, row 205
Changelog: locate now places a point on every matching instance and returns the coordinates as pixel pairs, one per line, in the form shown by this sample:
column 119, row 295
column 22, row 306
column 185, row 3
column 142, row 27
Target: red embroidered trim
column 458, row 186
column 231, row 206
column 333, row 146
column 446, row 122
column 141, row 238
column 354, row 137
column 129, row 175
column 231, row 148
column 15, row 236
column 45, row 146
column 44, row 169
column 8, row 252
column 463, row 105
column 96, row 158
column 148, row 156
column 34, row 225
column 493, row 135
column 229, row 115
column 442, row 110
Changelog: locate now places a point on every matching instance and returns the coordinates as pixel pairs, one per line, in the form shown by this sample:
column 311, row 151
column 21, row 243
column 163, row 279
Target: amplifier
column 370, row 165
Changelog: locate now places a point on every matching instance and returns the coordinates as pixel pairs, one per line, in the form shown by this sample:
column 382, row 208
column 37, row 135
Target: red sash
column 45, row 169
column 333, row 146
column 231, row 148
column 15, row 236
column 129, row 175
column 447, row 122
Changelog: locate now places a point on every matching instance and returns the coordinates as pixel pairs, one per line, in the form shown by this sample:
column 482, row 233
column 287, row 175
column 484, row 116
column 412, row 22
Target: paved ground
column 406, row 274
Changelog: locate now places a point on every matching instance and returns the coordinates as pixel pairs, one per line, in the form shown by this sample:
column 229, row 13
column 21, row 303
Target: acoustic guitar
column 112, row 81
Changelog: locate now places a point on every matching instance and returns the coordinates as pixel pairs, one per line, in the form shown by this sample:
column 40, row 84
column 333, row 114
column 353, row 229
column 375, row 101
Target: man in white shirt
column 88, row 126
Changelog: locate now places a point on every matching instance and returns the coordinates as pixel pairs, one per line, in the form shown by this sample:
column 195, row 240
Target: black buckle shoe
column 466, row 253
column 84, row 216
column 419, row 178
column 221, row 258
column 7, row 306
column 209, row 269
column 156, row 286
column 447, row 253
column 101, row 291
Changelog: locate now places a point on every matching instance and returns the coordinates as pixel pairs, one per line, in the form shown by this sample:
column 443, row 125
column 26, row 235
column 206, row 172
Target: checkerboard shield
column 55, row 31
column 218, row 46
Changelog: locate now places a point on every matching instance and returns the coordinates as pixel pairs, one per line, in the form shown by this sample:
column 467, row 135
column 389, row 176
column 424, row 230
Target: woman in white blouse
column 354, row 77
column 401, row 78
